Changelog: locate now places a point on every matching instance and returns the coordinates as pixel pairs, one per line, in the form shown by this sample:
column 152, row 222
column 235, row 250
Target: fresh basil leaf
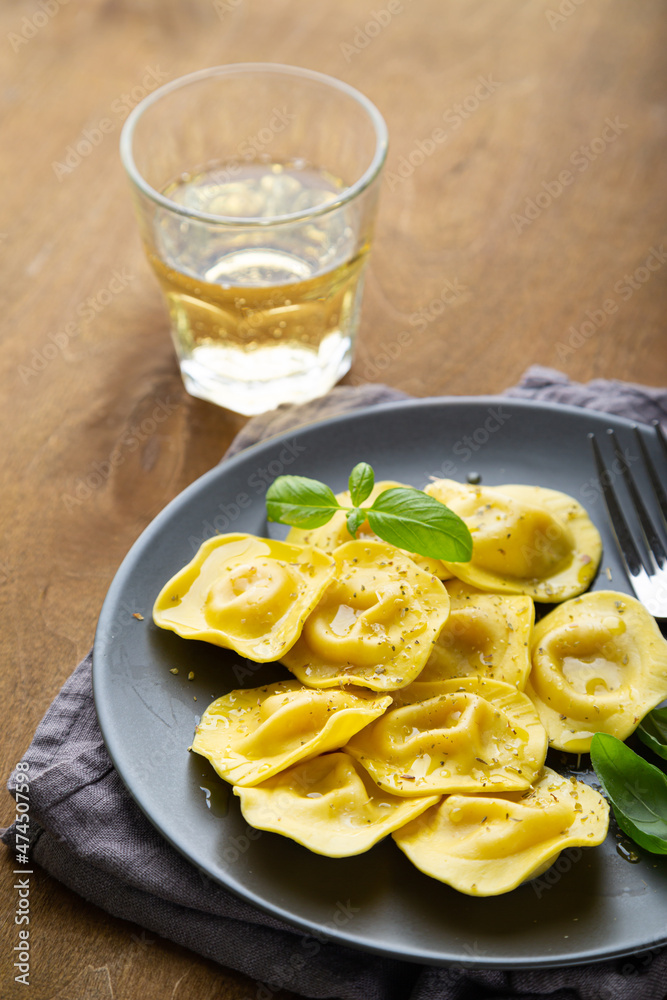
column 417, row 522
column 652, row 731
column 301, row 502
column 636, row 789
column 355, row 519
column 362, row 479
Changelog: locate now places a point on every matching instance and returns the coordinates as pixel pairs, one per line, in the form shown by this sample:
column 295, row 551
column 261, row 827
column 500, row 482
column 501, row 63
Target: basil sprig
column 652, row 731
column 636, row 789
column 407, row 518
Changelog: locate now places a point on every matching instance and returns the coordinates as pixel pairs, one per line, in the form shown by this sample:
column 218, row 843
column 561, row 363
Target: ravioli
column 335, row 532
column 466, row 735
column 374, row 625
column 251, row 734
column 485, row 845
column 526, row 539
column 599, row 665
column 245, row 593
column 485, row 635
column 329, row 805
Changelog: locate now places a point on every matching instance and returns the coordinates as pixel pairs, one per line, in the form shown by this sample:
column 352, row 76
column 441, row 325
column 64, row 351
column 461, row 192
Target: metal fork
column 646, row 562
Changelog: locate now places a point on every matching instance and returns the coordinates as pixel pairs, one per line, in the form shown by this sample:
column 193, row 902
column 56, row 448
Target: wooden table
column 523, row 196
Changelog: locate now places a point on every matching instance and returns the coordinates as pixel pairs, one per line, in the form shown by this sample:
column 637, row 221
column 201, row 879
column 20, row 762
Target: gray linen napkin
column 86, row 831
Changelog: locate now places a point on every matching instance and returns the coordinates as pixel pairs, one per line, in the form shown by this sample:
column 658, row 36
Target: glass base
column 207, row 376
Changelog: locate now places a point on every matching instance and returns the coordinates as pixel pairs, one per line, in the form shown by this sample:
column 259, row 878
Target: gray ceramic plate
column 592, row 905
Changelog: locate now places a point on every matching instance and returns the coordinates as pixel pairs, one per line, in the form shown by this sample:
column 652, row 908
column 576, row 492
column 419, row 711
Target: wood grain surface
column 523, row 193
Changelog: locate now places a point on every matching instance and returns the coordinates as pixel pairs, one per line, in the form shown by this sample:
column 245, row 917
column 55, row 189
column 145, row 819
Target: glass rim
column 347, row 195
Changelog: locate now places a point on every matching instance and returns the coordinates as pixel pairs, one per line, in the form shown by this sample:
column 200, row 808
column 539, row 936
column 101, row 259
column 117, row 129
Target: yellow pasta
column 599, row 665
column 485, row 635
column 245, row 593
column 251, row 734
column 484, row 845
column 466, row 735
column 374, row 625
column 422, row 710
column 328, row 804
column 526, row 539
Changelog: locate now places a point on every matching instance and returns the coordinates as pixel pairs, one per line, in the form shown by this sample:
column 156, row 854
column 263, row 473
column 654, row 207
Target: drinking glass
column 255, row 187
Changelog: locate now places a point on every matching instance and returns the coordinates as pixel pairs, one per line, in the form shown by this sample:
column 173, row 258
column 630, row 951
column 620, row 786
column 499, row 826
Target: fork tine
column 657, row 426
column 653, row 475
column 651, row 537
column 624, row 540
